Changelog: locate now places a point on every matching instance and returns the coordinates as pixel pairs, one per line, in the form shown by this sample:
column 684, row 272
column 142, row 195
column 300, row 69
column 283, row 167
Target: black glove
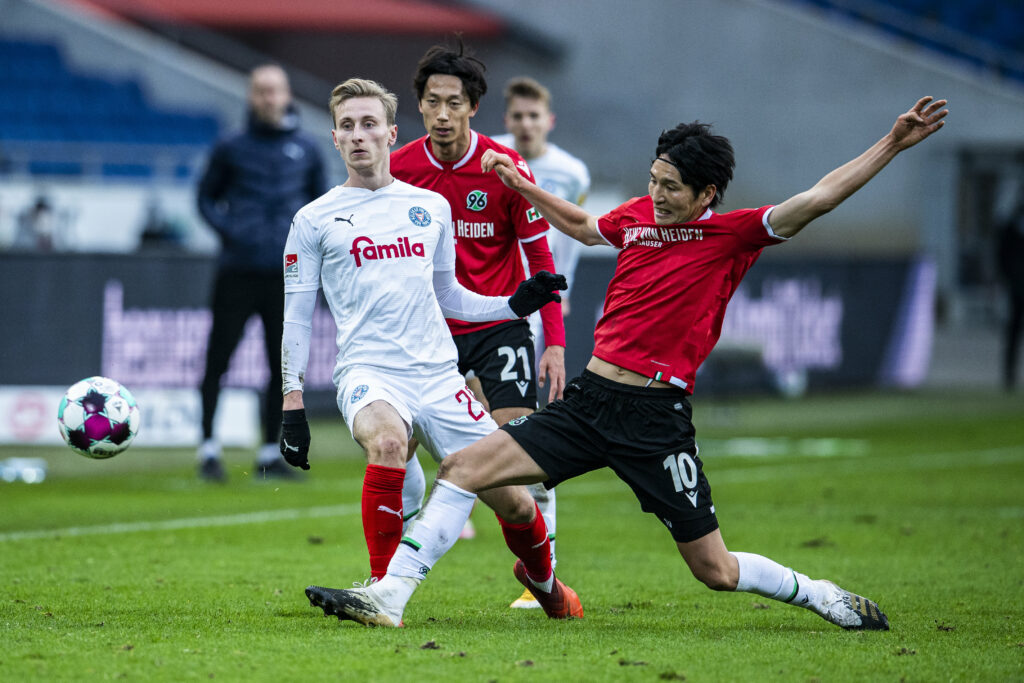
column 295, row 438
column 536, row 292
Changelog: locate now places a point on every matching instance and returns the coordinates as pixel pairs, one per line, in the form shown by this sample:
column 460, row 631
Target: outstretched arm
column 561, row 214
column 923, row 119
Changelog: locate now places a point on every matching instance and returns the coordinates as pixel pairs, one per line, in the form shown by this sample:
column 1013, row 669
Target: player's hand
column 539, row 290
column 552, row 366
column 923, row 119
column 295, row 438
column 503, row 165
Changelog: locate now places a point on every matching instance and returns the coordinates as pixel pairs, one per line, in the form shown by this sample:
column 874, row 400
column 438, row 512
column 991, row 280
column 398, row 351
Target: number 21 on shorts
column 508, row 373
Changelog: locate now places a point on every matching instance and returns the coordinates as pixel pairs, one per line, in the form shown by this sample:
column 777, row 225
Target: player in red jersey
column 678, row 265
column 491, row 222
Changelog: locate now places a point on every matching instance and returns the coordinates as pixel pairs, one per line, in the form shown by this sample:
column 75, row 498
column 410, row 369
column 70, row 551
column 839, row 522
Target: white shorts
column 439, row 410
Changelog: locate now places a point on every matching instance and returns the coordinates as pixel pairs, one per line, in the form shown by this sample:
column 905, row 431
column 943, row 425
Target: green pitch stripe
column 241, row 519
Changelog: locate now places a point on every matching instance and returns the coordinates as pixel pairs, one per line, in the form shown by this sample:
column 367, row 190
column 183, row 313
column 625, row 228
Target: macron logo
column 374, row 252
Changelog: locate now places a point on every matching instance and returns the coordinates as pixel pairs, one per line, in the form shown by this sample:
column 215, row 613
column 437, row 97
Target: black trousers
column 236, row 297
column 1012, row 339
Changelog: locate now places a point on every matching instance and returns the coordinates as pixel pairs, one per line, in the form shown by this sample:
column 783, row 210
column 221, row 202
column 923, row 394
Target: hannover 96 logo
column 476, row 200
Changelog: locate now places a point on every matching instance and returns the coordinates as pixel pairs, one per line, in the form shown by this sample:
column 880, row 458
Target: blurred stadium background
column 108, row 107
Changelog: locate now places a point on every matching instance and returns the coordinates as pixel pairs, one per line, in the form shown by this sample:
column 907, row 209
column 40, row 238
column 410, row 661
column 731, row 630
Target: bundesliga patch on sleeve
column 291, row 267
column 532, row 215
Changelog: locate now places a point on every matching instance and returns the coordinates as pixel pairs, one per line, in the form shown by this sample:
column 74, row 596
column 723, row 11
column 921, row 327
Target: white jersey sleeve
column 444, row 255
column 302, row 256
column 302, row 262
column 463, row 304
column 298, row 330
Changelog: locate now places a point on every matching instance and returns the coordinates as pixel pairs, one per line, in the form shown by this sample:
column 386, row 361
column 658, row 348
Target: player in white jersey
column 383, row 252
column 529, row 120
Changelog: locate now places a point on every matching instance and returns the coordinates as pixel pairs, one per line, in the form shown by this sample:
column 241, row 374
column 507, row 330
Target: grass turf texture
column 130, row 568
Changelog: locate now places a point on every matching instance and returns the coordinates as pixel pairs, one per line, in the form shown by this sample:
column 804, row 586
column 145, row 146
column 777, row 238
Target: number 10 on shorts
column 684, row 475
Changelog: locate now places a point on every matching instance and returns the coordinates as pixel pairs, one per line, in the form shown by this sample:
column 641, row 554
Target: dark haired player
column 491, row 222
column 678, row 265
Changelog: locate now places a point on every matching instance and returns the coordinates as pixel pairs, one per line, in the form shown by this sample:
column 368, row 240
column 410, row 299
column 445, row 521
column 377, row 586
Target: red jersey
column 666, row 301
column 489, row 221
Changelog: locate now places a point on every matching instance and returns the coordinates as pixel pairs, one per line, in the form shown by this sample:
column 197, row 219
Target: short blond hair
column 363, row 87
column 524, row 86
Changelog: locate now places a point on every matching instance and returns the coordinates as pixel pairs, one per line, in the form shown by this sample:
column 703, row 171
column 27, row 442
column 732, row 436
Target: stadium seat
column 42, row 99
column 999, row 25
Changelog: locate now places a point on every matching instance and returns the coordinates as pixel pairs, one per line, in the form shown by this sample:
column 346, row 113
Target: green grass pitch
column 132, row 569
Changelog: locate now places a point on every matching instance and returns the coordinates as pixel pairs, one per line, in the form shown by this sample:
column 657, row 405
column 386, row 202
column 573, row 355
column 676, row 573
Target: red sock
column 382, row 515
column 529, row 542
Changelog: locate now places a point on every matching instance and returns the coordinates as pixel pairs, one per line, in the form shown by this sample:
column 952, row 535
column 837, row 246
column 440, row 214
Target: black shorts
column 645, row 436
column 502, row 358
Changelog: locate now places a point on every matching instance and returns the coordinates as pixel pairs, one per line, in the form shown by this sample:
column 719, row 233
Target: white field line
column 811, row 468
column 187, row 523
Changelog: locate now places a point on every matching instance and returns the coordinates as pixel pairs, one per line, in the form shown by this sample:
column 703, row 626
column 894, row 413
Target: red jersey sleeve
column 539, row 258
column 752, row 227
column 527, row 220
column 610, row 225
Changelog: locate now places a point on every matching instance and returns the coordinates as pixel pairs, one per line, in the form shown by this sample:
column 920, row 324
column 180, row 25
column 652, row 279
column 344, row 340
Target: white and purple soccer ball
column 98, row 417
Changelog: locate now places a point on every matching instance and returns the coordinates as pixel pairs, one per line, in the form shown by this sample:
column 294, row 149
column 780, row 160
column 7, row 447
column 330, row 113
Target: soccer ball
column 98, row 417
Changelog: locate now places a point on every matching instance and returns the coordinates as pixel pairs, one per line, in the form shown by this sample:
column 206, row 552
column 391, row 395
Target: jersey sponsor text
column 373, row 252
column 656, row 235
column 472, row 229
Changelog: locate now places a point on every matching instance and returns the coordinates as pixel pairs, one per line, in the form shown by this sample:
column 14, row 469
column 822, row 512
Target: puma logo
column 385, row 508
column 289, row 447
column 346, row 220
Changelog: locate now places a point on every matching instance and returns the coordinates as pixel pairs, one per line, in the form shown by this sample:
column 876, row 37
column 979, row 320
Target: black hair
column 701, row 158
column 442, row 59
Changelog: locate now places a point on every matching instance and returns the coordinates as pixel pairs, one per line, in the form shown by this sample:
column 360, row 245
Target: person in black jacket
column 255, row 181
column 1011, row 266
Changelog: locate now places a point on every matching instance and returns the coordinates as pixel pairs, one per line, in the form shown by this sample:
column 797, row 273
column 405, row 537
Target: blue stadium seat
column 998, row 23
column 41, row 99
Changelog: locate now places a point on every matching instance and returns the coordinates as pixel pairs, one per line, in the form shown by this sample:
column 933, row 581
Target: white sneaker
column 852, row 612
column 370, row 604
column 357, row 604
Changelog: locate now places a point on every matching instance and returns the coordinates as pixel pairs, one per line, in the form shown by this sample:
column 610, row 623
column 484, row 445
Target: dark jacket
column 254, row 183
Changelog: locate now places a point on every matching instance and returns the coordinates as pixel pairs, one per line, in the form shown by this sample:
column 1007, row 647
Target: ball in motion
column 98, row 417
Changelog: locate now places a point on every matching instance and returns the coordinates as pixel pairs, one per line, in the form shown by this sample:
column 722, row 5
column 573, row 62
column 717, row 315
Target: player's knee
column 520, row 509
column 388, row 451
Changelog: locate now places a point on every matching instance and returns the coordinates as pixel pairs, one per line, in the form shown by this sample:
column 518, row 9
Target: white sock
column 413, row 488
column 432, row 532
column 269, row 452
column 545, row 586
column 770, row 579
column 393, row 593
column 546, row 502
column 209, row 448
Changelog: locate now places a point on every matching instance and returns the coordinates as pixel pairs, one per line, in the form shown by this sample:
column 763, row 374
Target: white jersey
column 374, row 253
column 565, row 176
